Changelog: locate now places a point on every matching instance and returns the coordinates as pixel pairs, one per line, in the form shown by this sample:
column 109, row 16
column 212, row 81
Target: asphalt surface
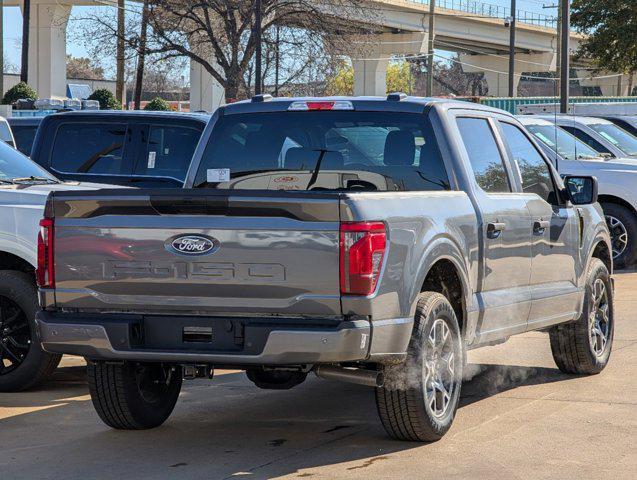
column 519, row 418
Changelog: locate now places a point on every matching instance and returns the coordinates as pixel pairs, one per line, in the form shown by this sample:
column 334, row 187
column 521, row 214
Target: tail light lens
column 362, row 249
column 45, row 273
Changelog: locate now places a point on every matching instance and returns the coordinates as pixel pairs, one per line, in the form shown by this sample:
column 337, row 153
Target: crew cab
column 130, row 148
column 371, row 240
column 617, row 179
column 24, row 188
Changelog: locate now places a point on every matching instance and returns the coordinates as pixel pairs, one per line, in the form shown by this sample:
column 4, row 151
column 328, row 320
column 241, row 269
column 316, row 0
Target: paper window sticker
column 166, row 151
column 151, row 159
column 218, row 175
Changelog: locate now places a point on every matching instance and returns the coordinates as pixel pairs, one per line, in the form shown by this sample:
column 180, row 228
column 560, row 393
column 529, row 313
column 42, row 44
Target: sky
column 13, row 26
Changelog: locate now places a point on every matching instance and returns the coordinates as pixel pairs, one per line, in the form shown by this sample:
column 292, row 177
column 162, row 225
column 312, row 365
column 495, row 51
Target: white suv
column 617, row 180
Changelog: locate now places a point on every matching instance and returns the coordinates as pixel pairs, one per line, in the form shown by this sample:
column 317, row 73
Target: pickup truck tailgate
column 197, row 251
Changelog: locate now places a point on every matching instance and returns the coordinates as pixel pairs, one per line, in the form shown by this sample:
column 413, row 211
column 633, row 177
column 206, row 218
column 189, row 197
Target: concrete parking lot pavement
column 520, row 418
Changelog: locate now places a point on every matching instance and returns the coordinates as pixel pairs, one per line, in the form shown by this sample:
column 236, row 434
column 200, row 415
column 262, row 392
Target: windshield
column 14, row 165
column 619, row 137
column 323, row 150
column 566, row 145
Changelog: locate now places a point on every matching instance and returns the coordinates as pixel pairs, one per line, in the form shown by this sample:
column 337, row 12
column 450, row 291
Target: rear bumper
column 262, row 341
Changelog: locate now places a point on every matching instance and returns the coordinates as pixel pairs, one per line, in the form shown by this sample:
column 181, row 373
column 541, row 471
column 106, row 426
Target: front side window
column 169, row 151
column 587, row 139
column 534, row 171
column 323, row 150
column 484, row 155
column 90, row 149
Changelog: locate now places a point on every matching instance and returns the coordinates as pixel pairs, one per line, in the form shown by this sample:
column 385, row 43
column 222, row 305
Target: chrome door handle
column 540, row 227
column 494, row 230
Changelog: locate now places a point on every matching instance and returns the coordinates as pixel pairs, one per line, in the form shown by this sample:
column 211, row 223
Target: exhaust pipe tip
column 368, row 378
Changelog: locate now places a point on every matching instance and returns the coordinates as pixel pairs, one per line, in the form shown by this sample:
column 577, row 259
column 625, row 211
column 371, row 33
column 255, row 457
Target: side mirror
column 581, row 190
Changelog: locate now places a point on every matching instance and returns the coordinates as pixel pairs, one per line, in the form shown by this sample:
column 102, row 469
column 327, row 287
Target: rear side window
column 484, row 155
column 335, row 150
column 24, row 137
column 169, row 151
column 90, row 149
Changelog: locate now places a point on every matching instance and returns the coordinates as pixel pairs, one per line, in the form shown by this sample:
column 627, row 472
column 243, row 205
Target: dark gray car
column 364, row 239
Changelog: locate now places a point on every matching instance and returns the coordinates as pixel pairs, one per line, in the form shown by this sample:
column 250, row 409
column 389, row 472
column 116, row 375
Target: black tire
column 23, row 363
column 573, row 345
column 134, row 396
column 628, row 224
column 402, row 403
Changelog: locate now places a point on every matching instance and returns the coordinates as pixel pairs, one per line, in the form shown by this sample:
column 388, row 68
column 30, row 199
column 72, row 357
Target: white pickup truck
column 617, row 181
column 24, row 188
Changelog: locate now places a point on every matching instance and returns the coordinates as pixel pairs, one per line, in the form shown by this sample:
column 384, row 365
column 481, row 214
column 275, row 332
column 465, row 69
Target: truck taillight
column 45, row 273
column 362, row 249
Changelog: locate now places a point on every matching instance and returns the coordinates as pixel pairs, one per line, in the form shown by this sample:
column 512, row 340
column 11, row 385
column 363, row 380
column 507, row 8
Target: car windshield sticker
column 218, row 175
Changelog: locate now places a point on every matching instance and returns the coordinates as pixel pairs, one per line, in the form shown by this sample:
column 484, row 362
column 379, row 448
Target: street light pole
column 26, row 20
column 565, row 7
column 512, row 92
column 258, row 89
column 430, row 49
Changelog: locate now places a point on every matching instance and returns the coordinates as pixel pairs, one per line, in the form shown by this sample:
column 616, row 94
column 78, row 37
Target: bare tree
column 218, row 34
column 121, row 50
column 141, row 56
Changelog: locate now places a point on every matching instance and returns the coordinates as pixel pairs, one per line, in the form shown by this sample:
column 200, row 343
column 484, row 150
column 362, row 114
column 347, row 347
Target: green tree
column 19, row 92
column 158, row 104
column 611, row 29
column 399, row 79
column 106, row 98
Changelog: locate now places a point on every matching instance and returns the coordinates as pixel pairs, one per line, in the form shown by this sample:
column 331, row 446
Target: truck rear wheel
column 584, row 346
column 622, row 224
column 23, row 363
column 134, row 396
column 419, row 399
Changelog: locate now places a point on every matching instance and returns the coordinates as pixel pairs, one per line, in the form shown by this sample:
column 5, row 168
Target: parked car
column 24, row 130
column 471, row 238
column 24, row 187
column 5, row 132
column 599, row 134
column 627, row 122
column 131, row 148
column 617, row 182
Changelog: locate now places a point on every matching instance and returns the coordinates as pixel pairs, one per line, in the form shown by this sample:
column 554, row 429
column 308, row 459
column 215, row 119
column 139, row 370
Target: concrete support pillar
column 47, row 48
column 499, row 82
column 370, row 64
column 610, row 87
column 205, row 91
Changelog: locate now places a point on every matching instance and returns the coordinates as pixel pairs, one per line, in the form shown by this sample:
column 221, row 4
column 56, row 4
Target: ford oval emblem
column 192, row 245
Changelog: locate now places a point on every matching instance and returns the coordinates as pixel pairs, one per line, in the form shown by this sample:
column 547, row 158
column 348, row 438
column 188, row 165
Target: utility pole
column 512, row 92
column 258, row 88
column 429, row 89
column 565, row 7
column 277, row 61
column 26, row 20
column 141, row 57
column 1, row 48
column 121, row 52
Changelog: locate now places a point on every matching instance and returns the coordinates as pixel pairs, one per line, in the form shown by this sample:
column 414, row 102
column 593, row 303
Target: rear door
column 506, row 230
column 555, row 239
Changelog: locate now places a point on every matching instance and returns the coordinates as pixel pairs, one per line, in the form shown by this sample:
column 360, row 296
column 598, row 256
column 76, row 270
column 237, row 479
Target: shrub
column 106, row 98
column 158, row 104
column 19, row 92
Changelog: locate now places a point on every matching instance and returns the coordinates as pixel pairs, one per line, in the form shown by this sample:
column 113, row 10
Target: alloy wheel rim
column 618, row 235
column 599, row 320
column 15, row 336
column 439, row 371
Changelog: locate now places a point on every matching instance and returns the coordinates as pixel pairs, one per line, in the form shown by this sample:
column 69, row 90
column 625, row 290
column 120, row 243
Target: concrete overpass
column 461, row 26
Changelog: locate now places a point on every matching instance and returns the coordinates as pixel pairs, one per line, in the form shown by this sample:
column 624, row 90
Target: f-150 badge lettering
column 192, row 245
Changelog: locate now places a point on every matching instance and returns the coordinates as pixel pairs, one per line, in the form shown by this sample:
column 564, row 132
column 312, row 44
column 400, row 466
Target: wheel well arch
column 444, row 277
column 602, row 252
column 9, row 261
column 617, row 201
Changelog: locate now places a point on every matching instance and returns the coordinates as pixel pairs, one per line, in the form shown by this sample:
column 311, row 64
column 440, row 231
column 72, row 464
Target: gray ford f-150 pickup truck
column 370, row 240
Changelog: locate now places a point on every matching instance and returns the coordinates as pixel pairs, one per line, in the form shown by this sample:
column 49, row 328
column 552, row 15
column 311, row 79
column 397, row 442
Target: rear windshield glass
column 373, row 151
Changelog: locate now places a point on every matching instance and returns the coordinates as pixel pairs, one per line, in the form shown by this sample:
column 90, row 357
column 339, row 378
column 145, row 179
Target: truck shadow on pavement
column 228, row 426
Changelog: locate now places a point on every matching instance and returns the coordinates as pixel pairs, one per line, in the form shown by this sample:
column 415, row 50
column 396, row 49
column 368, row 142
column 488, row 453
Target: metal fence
column 511, row 104
column 494, row 11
